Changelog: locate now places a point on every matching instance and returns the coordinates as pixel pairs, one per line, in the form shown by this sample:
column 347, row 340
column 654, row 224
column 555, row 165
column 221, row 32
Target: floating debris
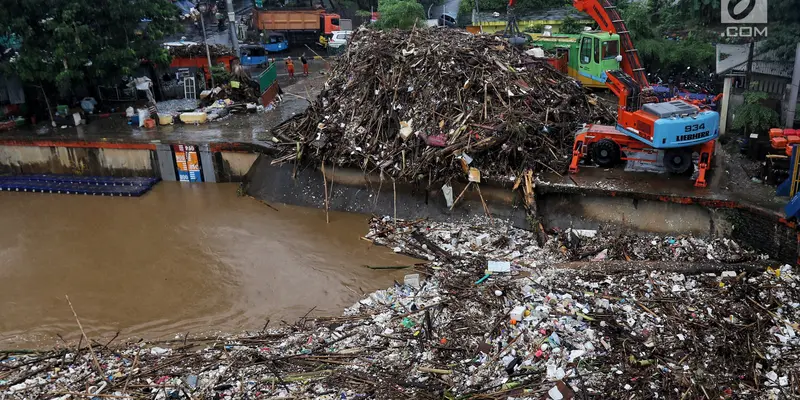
column 544, row 329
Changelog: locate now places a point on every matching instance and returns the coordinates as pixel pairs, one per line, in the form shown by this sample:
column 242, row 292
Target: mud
column 182, row 258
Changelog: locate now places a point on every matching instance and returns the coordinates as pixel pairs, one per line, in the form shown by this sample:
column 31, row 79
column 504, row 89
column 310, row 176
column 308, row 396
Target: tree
column 752, row 116
column 69, row 41
column 570, row 26
column 784, row 28
column 402, row 14
column 649, row 23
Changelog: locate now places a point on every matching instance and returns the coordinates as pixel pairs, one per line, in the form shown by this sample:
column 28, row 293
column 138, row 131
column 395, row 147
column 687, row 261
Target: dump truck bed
column 277, row 20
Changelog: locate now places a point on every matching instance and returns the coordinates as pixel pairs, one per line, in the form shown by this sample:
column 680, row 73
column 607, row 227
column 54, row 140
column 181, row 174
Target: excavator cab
column 590, row 54
column 596, row 53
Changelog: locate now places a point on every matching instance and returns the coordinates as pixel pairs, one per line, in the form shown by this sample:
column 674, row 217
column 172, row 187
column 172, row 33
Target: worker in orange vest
column 290, row 67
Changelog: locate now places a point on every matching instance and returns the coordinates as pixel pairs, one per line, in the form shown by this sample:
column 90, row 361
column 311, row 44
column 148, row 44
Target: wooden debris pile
column 429, row 104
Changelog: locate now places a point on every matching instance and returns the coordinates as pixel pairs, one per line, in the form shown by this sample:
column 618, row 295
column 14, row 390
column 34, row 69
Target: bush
column 402, row 14
column 754, row 117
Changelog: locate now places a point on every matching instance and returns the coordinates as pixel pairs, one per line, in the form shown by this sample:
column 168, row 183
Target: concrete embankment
column 218, row 162
column 561, row 206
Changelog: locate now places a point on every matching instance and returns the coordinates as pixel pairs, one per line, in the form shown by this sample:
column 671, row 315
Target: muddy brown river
column 181, row 259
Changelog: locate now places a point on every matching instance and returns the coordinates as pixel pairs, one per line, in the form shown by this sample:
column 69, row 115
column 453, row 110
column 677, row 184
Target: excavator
column 667, row 134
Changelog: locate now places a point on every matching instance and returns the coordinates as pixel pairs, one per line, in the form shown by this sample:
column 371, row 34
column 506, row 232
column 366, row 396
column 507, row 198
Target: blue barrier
column 94, row 180
column 70, row 184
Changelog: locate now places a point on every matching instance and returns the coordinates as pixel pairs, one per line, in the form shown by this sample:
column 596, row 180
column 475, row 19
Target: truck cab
column 275, row 42
column 584, row 57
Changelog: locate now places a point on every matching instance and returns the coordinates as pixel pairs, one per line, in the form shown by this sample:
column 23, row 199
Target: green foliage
column 752, row 116
column 402, row 14
column 466, row 6
column 220, row 74
column 784, row 28
column 693, row 50
column 535, row 28
column 570, row 26
column 66, row 41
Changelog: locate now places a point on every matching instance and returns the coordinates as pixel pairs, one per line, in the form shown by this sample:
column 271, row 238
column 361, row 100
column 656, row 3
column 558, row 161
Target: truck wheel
column 677, row 161
column 605, row 153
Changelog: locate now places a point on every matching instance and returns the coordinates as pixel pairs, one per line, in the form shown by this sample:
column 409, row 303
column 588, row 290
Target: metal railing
column 108, row 93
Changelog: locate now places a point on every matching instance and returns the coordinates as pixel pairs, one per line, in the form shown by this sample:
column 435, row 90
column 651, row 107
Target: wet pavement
column 243, row 128
column 182, row 258
column 728, row 182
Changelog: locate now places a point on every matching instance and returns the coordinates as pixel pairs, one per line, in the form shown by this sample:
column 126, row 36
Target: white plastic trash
column 518, row 313
column 411, row 280
column 143, row 115
column 499, row 266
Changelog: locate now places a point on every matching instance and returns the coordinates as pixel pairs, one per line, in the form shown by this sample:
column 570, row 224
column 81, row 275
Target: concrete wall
column 760, row 232
column 233, row 166
column 351, row 191
column 76, row 161
column 560, row 210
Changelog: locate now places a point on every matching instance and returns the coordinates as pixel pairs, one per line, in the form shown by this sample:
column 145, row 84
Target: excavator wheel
column 677, row 161
column 605, row 153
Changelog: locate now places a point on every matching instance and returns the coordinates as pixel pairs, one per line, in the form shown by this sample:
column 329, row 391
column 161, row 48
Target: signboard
column 187, row 162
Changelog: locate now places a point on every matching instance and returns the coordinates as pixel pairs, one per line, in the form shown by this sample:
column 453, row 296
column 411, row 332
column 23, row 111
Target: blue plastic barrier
column 93, row 180
column 70, row 184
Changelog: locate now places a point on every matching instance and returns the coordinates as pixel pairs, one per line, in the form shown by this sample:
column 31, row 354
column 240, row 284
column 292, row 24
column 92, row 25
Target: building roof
column 732, row 60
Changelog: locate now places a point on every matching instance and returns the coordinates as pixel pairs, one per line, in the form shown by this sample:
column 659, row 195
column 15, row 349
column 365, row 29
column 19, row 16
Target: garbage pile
column 491, row 316
column 617, row 245
column 192, row 50
column 430, row 104
column 237, row 87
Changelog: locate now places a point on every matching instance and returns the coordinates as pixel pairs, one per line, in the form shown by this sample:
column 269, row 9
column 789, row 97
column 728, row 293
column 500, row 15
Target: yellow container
column 194, row 118
column 165, row 119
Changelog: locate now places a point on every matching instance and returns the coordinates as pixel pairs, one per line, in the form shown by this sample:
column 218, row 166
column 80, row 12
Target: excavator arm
column 609, row 20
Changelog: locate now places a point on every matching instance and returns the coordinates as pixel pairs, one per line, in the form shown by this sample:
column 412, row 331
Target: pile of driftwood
column 427, row 105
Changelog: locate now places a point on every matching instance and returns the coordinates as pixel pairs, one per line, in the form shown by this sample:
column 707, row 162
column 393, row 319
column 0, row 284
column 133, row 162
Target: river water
column 180, row 259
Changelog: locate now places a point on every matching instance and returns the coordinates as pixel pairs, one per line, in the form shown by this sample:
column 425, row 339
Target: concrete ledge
column 561, row 205
column 351, row 191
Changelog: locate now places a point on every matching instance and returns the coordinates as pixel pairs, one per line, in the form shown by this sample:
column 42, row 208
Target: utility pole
column 749, row 73
column 232, row 27
column 792, row 108
column 203, row 7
